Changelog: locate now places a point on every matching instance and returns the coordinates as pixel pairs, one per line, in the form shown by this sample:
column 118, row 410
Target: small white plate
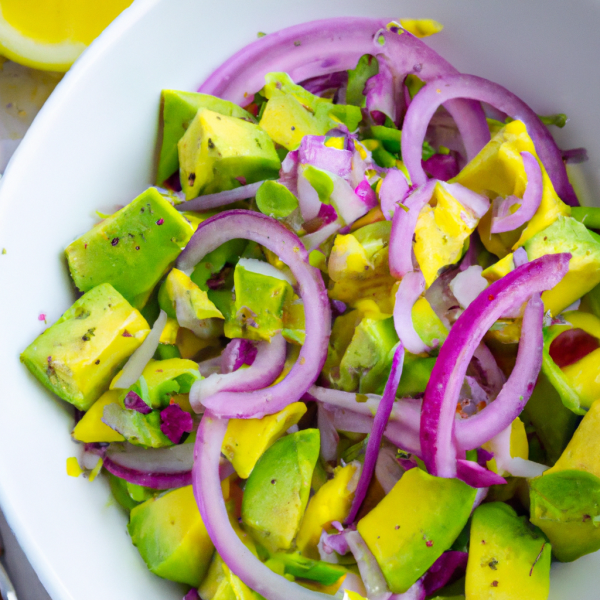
column 93, row 146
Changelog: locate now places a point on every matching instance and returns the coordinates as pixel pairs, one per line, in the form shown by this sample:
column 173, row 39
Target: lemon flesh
column 51, row 34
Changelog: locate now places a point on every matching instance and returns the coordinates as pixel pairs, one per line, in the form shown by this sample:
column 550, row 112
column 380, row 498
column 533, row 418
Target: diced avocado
column 427, row 324
column 588, row 215
column 565, row 500
column 226, row 254
column 182, row 299
column 169, row 533
column 415, row 375
column 118, row 488
column 246, row 440
column 306, row 568
column 292, row 112
column 389, row 137
column 221, row 584
column 567, row 235
column 144, row 238
column 294, row 320
column 368, row 355
column 79, row 355
column 498, row 171
column 162, row 380
column 216, row 149
column 414, row 524
column 332, row 502
column 91, row 429
column 277, row 490
column 367, row 67
column 508, row 558
column 275, row 200
column 137, row 428
column 578, row 384
column 259, row 300
column 442, row 228
column 366, row 274
column 178, row 111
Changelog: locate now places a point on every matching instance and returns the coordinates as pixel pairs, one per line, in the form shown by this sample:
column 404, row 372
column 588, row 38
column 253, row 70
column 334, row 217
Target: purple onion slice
column 410, row 289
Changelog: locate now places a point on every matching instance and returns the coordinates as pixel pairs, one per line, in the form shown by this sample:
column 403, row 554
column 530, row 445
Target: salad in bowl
column 348, row 344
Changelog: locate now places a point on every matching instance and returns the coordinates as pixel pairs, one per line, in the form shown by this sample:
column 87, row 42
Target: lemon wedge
column 51, row 34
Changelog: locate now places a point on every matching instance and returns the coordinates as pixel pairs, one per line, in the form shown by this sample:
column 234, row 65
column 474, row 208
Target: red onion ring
column 207, row 490
column 156, row 481
column 403, row 229
column 219, row 199
column 477, row 476
column 382, row 416
column 409, row 290
column 532, row 198
column 443, row 389
column 518, row 388
column 394, row 189
column 268, row 232
column 266, row 368
column 439, row 91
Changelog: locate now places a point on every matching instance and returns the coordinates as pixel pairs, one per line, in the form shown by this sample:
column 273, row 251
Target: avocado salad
column 348, row 346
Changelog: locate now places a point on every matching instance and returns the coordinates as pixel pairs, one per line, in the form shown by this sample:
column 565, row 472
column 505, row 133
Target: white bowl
column 93, row 146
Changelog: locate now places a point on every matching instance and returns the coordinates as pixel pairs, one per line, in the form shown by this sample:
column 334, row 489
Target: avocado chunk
column 261, row 293
column 169, row 533
column 221, row 584
column 275, row 200
column 79, row 355
column 178, row 111
column 565, row 500
column 568, row 235
column 91, row 428
column 137, row 428
column 144, row 238
column 217, row 149
column 292, row 112
column 277, row 490
column 507, row 557
column 307, row 568
column 414, row 524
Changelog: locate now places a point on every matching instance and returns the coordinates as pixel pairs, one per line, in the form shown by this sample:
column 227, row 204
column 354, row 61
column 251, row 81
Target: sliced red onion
column 329, row 435
column 348, row 204
column 445, row 568
column 480, row 496
column 380, row 91
column 532, row 198
column 137, row 362
column 237, row 353
column 171, row 460
column 219, row 199
column 175, row 422
column 338, row 307
column 415, row 592
column 365, row 192
column 192, row 595
column 403, row 229
column 312, row 241
column 207, row 490
column 520, row 257
column 288, row 174
column 410, row 289
column 517, row 467
column 443, row 389
column 156, row 481
column 324, row 83
column 476, row 203
column 387, row 470
column 439, row 91
column 274, row 236
column 266, row 368
column 477, row 476
column 308, row 198
column 334, row 542
column 312, row 151
column 394, row 189
column 382, row 416
column 205, row 329
column 210, row 366
column 368, row 567
column 441, row 166
column 518, row 388
column 133, row 402
column 467, row 285
column 575, row 156
column 490, row 373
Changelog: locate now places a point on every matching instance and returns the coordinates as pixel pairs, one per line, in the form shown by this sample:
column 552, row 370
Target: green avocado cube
column 508, row 558
column 257, row 312
column 277, row 490
column 169, row 533
column 414, row 524
column 178, row 111
column 80, row 354
column 131, row 249
column 216, row 150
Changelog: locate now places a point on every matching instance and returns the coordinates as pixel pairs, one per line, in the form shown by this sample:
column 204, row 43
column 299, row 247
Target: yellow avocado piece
column 190, row 346
column 414, row 524
column 169, row 333
column 498, row 171
column 247, row 439
column 91, row 428
column 421, row 27
column 440, row 233
column 519, row 446
column 331, row 503
column 169, row 533
column 507, row 558
column 73, row 467
column 180, row 288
